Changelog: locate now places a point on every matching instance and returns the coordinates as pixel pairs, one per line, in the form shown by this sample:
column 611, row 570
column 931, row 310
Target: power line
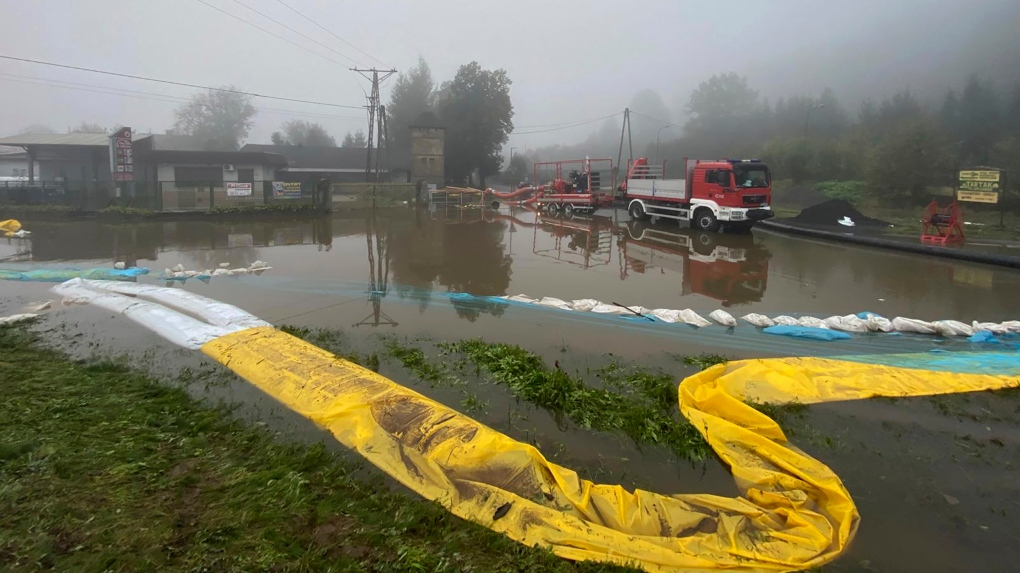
column 578, row 124
column 328, row 31
column 257, row 27
column 655, row 119
column 554, row 124
column 310, row 39
column 187, row 85
column 151, row 96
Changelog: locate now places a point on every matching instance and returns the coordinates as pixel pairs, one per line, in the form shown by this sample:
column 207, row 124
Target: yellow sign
column 987, row 175
column 978, row 196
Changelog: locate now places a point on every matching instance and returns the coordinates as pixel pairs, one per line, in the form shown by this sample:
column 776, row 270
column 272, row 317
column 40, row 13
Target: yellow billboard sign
column 977, row 196
column 979, row 185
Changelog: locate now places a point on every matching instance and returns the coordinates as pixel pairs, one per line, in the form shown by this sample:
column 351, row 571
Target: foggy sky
column 570, row 61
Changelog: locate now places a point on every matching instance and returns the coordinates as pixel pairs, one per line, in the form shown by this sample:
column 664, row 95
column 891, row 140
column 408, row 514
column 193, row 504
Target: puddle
column 389, row 273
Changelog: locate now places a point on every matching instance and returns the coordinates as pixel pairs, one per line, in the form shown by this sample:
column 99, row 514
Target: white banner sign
column 238, row 189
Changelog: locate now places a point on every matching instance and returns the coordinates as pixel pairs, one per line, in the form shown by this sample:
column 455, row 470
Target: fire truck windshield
column 751, row 176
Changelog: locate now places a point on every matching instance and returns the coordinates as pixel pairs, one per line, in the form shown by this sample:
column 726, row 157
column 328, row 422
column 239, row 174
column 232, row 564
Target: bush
column 268, row 208
column 849, row 191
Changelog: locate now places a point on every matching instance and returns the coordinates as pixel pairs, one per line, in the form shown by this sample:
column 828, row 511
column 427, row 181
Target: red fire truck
column 728, row 192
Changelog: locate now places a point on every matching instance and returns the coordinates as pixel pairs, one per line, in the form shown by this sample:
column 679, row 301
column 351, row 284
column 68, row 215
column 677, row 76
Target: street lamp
column 807, row 116
column 657, row 137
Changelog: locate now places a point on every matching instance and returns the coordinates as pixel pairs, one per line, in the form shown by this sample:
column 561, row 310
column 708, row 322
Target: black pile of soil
column 831, row 211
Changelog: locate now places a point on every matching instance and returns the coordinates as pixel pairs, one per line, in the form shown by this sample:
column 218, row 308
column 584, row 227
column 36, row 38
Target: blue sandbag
column 808, row 332
column 865, row 315
column 983, row 336
column 61, row 275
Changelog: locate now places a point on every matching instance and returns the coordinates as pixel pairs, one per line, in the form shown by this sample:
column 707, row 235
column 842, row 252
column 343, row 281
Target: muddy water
column 391, row 273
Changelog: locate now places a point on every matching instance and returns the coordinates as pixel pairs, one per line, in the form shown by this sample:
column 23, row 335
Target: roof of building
column 175, row 142
column 82, row 139
column 321, row 159
column 220, row 157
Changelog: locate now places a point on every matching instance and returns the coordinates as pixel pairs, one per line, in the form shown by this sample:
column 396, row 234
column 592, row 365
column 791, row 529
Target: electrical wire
column 150, row 96
column 632, row 112
column 578, row 124
column 260, row 28
column 328, row 31
column 187, row 85
column 309, row 38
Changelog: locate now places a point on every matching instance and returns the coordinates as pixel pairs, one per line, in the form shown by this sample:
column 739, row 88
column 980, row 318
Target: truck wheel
column 637, row 211
column 568, row 210
column 705, row 220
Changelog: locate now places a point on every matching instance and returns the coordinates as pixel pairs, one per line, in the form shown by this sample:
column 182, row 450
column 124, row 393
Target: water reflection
column 730, row 268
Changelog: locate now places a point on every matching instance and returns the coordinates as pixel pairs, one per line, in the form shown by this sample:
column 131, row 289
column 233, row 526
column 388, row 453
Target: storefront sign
column 122, row 162
column 979, row 186
column 235, row 189
column 286, row 190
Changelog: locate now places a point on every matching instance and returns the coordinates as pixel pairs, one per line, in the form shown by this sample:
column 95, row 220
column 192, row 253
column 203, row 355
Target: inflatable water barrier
column 793, row 512
column 804, row 326
column 12, row 228
column 61, row 275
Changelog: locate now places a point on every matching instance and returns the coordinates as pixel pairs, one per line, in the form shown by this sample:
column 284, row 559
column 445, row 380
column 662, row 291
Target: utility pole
column 373, row 105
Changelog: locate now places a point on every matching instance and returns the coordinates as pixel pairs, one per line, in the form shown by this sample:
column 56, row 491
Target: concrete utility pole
column 373, row 105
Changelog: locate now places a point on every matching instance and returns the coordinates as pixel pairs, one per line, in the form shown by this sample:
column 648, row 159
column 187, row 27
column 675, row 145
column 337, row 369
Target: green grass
column 104, row 469
column 639, row 404
column 280, row 207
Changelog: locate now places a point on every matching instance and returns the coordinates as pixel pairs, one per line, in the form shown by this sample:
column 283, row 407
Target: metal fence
column 155, row 195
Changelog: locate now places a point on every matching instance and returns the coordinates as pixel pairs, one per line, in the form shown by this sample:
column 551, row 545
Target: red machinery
column 942, row 226
column 587, row 186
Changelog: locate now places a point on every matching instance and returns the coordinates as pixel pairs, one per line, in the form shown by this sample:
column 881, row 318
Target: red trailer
column 574, row 186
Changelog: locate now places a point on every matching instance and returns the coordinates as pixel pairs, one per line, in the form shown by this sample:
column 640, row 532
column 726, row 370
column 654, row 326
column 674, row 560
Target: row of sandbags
column 861, row 322
column 178, row 273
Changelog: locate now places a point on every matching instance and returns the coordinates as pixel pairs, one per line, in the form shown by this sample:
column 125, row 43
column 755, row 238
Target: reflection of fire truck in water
column 585, row 241
column 730, row 268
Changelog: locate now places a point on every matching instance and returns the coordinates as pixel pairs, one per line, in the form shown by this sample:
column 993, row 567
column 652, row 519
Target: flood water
column 392, row 272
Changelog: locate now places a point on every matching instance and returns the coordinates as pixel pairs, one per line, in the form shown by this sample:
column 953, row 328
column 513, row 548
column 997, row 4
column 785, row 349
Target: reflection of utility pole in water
column 378, row 272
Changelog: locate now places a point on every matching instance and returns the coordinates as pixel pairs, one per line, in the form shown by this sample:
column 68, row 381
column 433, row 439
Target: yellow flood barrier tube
column 793, row 513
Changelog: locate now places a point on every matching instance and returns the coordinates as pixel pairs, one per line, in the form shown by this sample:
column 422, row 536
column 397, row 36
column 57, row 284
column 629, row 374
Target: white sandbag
column 993, row 327
column 219, row 272
column 554, row 302
column 603, row 308
column 179, row 268
column 759, row 320
column 812, row 322
column 722, row 317
column 119, row 266
column 848, row 323
column 692, row 318
column 877, row 323
column 952, row 328
column 224, row 265
column 516, row 298
column 666, row 314
column 783, row 320
column 901, row 324
column 1012, row 325
column 259, row 265
column 236, row 272
column 584, row 304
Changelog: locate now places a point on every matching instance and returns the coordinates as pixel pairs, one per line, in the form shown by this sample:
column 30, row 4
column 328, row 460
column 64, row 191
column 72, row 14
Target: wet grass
column 647, row 412
column 104, row 469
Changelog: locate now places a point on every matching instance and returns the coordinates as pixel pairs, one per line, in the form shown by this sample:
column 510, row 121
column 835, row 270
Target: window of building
column 246, row 175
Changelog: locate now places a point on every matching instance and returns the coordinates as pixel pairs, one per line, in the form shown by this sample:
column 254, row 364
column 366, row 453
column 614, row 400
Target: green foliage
column 704, row 361
column 849, row 191
column 913, row 157
column 86, row 127
column 104, row 469
column 125, row 210
column 478, row 114
column 298, row 132
column 646, row 412
column 221, row 118
column 357, row 139
column 278, row 207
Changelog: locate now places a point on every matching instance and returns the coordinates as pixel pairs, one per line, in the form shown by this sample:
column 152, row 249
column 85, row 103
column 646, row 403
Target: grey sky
column 569, row 60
